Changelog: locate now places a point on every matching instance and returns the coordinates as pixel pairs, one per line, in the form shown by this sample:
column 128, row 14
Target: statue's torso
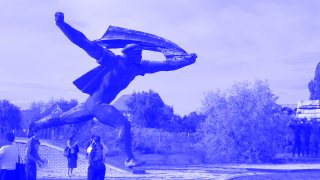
column 118, row 78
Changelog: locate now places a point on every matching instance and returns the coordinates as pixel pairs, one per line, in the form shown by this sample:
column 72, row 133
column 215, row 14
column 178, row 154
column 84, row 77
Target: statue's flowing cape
column 89, row 82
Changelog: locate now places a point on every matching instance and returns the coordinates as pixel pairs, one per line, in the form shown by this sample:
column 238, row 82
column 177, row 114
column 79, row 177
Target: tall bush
column 243, row 124
column 38, row 110
column 10, row 116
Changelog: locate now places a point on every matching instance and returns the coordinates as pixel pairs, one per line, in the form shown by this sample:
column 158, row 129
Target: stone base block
column 311, row 103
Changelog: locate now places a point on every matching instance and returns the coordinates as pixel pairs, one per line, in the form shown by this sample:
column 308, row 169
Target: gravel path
column 156, row 174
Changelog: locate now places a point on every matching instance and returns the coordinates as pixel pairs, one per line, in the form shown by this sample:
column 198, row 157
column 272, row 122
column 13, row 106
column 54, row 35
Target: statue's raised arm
column 78, row 38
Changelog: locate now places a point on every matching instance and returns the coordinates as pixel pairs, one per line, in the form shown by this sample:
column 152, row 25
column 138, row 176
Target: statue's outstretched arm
column 170, row 65
column 78, row 38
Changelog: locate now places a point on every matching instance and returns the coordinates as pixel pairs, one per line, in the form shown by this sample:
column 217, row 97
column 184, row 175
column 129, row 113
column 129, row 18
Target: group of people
column 306, row 135
column 95, row 153
column 9, row 154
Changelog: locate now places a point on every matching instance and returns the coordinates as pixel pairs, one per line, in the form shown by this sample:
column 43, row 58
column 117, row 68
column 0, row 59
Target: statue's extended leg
column 109, row 115
column 75, row 115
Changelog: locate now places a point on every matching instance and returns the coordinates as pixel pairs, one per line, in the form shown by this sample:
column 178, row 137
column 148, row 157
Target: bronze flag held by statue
column 117, row 37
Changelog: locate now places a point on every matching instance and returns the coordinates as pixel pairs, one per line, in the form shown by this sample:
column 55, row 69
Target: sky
column 274, row 40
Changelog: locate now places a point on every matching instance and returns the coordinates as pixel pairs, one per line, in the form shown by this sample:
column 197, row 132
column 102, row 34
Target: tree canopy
column 10, row 116
column 38, row 110
column 147, row 109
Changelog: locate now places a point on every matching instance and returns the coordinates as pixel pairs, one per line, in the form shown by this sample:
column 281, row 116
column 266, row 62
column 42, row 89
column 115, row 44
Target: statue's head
column 133, row 52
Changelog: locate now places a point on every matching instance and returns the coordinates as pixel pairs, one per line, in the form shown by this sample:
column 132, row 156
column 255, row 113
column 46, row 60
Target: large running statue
column 114, row 74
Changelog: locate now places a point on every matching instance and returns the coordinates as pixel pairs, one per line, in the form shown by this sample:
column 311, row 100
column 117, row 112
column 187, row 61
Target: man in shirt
column 8, row 158
column 296, row 128
column 32, row 156
column 97, row 169
column 314, row 144
column 104, row 83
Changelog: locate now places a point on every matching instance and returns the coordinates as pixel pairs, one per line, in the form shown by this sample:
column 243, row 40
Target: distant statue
column 314, row 85
column 113, row 75
column 312, row 90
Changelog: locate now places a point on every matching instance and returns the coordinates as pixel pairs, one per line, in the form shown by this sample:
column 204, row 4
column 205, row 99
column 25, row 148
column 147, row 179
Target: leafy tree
column 190, row 123
column 146, row 109
column 38, row 110
column 242, row 124
column 32, row 114
column 10, row 116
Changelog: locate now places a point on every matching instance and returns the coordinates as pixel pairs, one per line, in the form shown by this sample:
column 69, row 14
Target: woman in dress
column 72, row 159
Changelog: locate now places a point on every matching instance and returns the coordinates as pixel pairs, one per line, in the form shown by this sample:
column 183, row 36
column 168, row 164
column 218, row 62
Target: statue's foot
column 30, row 131
column 134, row 163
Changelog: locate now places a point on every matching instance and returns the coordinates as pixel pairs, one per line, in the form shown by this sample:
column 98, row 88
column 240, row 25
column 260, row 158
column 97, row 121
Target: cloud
column 228, row 37
column 302, row 59
column 23, row 104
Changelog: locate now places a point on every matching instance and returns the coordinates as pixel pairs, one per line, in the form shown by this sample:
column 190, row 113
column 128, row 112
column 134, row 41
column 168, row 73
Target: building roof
column 120, row 104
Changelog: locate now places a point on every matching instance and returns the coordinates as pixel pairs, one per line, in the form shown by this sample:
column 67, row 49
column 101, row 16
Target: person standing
column 72, row 159
column 8, row 158
column 305, row 136
column 296, row 128
column 32, row 156
column 314, row 138
column 97, row 151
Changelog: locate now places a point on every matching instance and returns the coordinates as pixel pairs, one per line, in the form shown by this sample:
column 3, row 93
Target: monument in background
column 311, row 109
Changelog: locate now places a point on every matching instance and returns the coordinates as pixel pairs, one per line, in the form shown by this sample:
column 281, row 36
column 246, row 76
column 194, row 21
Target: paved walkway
column 285, row 167
column 212, row 171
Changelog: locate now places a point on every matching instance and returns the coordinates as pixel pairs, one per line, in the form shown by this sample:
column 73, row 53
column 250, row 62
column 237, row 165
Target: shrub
column 242, row 124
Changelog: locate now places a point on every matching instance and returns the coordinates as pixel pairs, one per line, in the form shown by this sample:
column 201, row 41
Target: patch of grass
column 282, row 176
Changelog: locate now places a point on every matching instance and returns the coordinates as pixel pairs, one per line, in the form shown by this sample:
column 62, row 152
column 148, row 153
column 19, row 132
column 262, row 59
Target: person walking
column 97, row 151
column 296, row 128
column 72, row 159
column 305, row 137
column 8, row 158
column 32, row 156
